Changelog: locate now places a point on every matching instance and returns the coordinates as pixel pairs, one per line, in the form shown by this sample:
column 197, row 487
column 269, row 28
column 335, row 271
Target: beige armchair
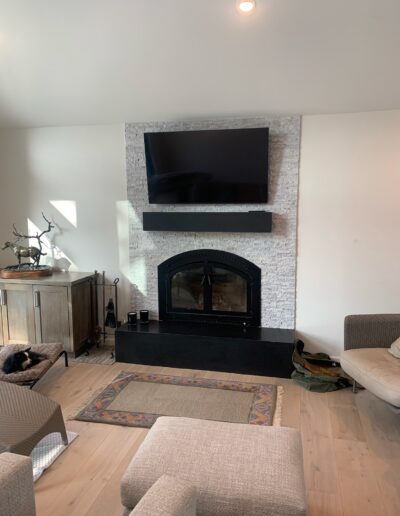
column 16, row 485
column 366, row 358
column 168, row 496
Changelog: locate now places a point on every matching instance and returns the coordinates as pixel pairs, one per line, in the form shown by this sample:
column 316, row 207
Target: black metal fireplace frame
column 208, row 258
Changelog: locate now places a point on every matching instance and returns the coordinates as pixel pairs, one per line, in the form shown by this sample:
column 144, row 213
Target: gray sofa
column 366, row 358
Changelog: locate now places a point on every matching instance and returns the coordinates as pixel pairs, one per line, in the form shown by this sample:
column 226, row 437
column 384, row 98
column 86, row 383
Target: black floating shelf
column 229, row 222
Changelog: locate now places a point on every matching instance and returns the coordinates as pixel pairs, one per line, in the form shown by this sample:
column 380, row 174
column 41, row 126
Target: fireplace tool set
column 106, row 316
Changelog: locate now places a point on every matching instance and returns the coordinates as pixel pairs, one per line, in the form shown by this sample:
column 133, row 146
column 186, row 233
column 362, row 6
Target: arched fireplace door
column 208, row 285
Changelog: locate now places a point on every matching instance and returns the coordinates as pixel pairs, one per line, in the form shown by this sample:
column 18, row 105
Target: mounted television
column 213, row 166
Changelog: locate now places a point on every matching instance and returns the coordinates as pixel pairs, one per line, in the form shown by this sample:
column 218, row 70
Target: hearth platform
column 212, row 346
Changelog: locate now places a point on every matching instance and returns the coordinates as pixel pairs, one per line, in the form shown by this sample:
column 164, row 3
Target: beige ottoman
column 236, row 469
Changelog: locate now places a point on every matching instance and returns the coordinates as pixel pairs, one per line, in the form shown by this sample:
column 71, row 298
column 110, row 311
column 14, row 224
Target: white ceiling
column 65, row 62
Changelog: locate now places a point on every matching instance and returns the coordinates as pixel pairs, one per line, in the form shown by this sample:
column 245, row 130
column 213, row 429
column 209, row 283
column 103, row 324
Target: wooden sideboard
column 57, row 308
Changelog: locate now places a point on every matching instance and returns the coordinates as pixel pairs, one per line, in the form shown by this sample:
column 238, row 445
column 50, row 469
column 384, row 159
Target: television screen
column 213, row 166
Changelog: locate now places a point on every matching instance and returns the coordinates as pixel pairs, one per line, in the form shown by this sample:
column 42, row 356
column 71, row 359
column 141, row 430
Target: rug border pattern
column 263, row 410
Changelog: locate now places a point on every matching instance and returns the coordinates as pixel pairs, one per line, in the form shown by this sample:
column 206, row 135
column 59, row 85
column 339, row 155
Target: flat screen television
column 213, row 166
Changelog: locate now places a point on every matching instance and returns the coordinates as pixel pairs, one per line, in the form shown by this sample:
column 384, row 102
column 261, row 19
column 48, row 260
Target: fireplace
column 209, row 285
column 197, row 289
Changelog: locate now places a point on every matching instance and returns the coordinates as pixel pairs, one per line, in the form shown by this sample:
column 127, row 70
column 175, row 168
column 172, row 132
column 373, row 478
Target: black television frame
column 151, row 196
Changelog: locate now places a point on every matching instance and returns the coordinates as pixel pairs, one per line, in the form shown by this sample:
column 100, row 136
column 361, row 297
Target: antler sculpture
column 38, row 236
column 28, row 252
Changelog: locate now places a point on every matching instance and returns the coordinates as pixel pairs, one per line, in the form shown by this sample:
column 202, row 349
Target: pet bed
column 30, row 376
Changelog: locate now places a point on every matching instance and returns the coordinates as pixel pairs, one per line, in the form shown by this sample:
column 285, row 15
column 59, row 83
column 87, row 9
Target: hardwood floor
column 351, row 447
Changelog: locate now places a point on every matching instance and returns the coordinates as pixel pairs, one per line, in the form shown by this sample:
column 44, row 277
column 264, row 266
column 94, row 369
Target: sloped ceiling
column 65, row 62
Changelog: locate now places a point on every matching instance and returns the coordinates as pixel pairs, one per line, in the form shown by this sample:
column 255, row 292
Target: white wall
column 349, row 223
column 76, row 175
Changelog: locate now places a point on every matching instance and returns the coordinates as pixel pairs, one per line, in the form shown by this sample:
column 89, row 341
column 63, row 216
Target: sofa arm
column 371, row 331
column 16, row 485
column 168, row 496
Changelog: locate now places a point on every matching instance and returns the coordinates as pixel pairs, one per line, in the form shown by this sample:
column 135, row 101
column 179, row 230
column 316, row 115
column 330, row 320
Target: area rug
column 138, row 399
column 47, row 451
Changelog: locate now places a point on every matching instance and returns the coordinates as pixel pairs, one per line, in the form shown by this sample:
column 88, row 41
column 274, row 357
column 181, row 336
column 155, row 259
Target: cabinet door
column 82, row 316
column 51, row 315
column 17, row 314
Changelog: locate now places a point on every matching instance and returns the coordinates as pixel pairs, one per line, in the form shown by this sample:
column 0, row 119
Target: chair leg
column 354, row 386
column 65, row 358
column 62, row 430
column 59, row 426
column 64, row 438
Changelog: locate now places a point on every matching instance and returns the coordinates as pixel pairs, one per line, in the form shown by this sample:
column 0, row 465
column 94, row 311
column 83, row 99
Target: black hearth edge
column 207, row 346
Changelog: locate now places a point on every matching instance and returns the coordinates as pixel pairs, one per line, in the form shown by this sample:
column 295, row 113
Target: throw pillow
column 395, row 348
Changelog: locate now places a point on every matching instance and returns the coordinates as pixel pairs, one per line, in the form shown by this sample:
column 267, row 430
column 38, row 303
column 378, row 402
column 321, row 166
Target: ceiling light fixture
column 246, row 6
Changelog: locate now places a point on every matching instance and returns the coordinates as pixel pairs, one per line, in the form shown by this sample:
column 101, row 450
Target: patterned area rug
column 138, row 399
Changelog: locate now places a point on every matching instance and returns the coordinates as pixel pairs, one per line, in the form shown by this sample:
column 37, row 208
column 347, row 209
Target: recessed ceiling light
column 246, row 6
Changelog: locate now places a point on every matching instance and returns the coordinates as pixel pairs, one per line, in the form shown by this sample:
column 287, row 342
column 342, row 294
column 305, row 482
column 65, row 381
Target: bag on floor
column 317, row 371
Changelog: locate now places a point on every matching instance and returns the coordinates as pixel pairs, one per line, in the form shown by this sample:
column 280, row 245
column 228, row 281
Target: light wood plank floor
column 351, row 447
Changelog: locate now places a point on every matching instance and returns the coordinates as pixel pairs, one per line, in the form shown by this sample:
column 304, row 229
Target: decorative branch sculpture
column 29, row 252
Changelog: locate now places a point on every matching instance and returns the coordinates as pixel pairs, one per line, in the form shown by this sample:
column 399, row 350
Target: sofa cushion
column 236, row 469
column 395, row 348
column 376, row 370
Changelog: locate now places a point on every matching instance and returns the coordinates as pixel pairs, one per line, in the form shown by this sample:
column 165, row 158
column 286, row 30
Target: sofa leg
column 354, row 386
column 66, row 358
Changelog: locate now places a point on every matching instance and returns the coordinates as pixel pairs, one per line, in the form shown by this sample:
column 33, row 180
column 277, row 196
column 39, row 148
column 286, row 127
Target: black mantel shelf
column 223, row 221
column 215, row 347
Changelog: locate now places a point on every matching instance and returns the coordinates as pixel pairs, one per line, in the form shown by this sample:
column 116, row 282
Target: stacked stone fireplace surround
column 274, row 253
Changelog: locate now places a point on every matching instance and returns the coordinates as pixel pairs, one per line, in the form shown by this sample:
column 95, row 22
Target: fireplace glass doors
column 209, row 285
column 187, row 291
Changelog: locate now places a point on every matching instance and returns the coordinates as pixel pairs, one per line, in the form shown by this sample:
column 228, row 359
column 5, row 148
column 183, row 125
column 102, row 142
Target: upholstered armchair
column 16, row 486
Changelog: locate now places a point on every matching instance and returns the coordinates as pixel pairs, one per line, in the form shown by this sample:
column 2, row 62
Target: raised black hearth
column 212, row 347
column 210, row 311
column 209, row 286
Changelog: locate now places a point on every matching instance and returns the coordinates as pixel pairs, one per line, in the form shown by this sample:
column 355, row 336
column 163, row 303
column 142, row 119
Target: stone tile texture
column 274, row 253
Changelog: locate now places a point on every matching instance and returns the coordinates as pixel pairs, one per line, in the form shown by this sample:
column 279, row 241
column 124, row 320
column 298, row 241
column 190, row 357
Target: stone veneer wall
column 274, row 253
